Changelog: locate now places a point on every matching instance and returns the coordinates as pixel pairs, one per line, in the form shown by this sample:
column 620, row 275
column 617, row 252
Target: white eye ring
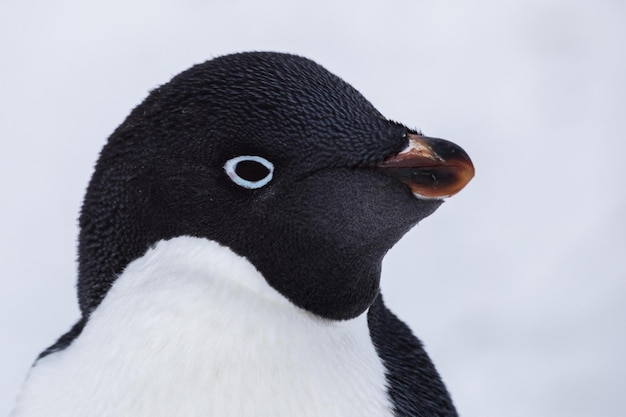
column 250, row 176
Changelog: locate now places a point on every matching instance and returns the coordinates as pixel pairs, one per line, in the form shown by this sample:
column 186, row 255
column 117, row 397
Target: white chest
column 191, row 329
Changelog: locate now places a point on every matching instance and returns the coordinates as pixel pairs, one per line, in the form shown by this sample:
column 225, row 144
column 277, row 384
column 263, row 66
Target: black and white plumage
column 230, row 251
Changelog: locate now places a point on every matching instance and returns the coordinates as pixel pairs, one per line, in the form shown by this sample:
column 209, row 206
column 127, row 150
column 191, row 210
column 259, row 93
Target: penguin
column 230, row 248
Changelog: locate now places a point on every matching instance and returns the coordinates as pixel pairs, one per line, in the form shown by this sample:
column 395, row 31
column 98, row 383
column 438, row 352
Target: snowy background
column 517, row 285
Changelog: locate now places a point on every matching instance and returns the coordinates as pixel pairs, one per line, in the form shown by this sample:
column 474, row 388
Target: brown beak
column 432, row 168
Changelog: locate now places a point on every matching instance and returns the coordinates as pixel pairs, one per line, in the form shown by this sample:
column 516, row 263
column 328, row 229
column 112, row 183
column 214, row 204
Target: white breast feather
column 192, row 329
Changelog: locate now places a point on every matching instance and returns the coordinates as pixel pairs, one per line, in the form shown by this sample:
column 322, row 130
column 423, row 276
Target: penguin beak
column 432, row 168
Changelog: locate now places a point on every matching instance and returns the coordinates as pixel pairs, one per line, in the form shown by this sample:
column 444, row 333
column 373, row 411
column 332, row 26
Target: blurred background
column 517, row 285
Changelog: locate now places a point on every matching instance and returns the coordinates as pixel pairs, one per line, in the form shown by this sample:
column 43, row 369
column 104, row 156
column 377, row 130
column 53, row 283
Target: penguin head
column 276, row 158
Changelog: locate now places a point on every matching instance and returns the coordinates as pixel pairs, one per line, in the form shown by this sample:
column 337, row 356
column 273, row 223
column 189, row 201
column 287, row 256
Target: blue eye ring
column 259, row 171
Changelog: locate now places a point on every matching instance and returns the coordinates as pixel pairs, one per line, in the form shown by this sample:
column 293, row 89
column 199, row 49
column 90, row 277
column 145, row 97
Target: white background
column 517, row 285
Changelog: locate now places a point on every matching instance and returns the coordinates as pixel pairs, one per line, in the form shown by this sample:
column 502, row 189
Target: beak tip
column 432, row 168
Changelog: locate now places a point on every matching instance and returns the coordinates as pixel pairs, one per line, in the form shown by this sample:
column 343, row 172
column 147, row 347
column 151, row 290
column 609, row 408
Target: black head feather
column 317, row 232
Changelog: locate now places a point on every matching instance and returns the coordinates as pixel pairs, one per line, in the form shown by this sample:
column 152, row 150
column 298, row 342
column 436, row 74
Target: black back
column 415, row 387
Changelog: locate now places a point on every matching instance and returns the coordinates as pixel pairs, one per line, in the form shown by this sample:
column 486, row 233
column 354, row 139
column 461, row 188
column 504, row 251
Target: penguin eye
column 249, row 171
